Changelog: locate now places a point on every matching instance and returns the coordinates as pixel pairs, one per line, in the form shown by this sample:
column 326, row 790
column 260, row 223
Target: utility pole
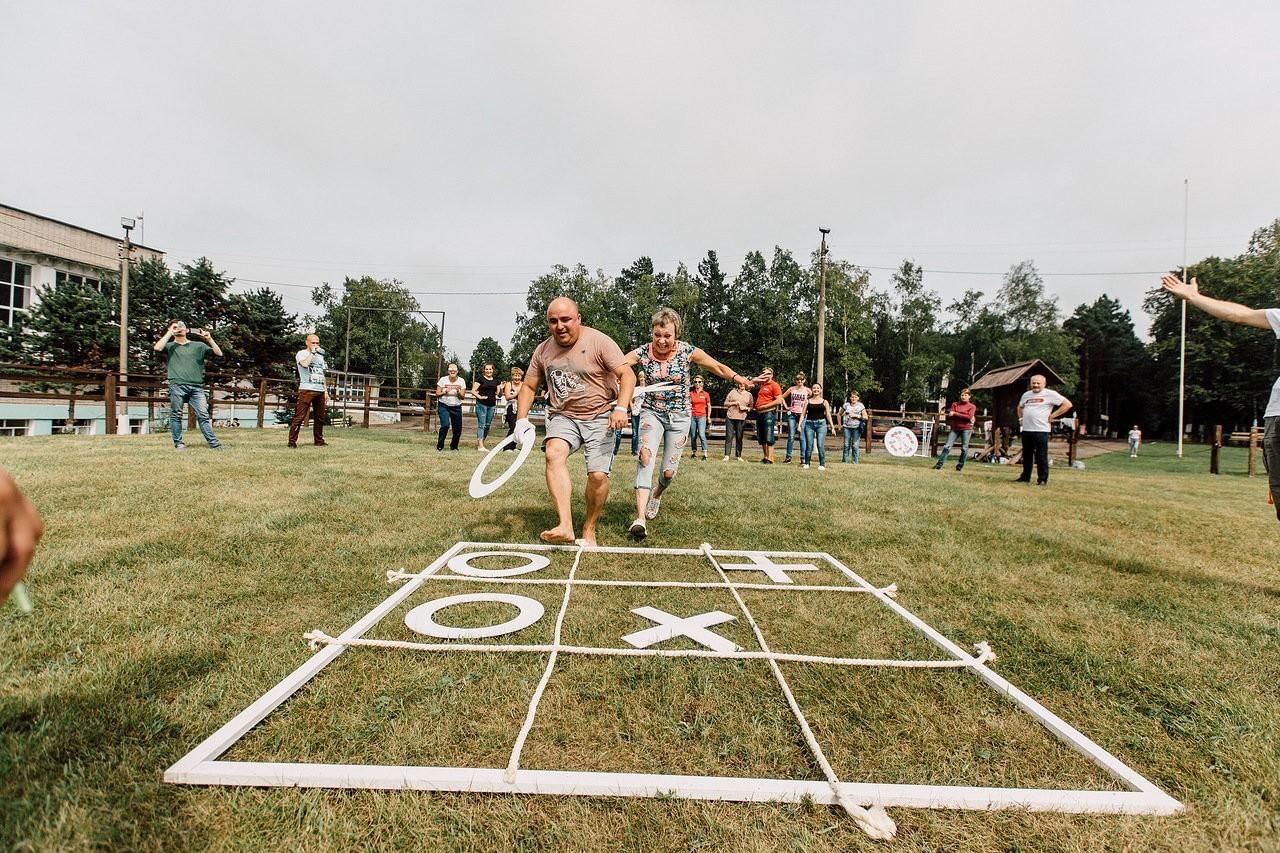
column 822, row 305
column 127, row 224
column 346, row 359
column 1182, row 338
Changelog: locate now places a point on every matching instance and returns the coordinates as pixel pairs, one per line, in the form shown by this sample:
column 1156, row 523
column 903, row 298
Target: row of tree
column 897, row 349
column 78, row 325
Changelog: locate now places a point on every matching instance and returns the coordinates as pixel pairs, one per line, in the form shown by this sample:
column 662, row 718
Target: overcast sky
column 465, row 147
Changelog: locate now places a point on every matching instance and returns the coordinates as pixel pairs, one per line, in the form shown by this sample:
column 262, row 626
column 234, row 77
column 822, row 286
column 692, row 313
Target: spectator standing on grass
column 485, row 390
column 1037, row 410
column 1135, row 441
column 852, row 417
column 960, row 420
column 797, row 397
column 665, row 416
column 20, row 530
column 508, row 392
column 737, row 403
column 700, row 408
column 590, row 385
column 185, row 371
column 768, row 403
column 1258, row 318
column 450, row 389
column 636, row 399
column 815, row 421
column 312, row 395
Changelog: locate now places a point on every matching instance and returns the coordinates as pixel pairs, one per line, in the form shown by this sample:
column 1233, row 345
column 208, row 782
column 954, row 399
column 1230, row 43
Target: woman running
column 665, row 415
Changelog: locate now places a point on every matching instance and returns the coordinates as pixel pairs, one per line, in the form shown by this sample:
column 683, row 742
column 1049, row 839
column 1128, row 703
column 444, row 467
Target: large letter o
column 422, row 618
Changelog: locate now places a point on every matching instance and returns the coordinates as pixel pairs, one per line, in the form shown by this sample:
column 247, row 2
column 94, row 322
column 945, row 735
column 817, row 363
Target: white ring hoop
column 461, row 564
column 479, row 488
column 421, row 619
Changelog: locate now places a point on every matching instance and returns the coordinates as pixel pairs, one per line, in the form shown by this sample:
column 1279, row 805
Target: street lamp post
column 822, row 305
column 127, row 224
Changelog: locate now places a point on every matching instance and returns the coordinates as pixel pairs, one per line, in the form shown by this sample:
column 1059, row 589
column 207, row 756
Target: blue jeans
column 698, row 430
column 964, row 448
column 766, row 425
column 450, row 417
column 815, row 434
column 194, row 396
column 662, row 439
column 484, row 417
column 793, row 432
column 852, row 440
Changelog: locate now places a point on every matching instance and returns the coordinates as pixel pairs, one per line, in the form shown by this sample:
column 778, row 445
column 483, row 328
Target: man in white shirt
column 1259, row 318
column 1037, row 410
column 312, row 396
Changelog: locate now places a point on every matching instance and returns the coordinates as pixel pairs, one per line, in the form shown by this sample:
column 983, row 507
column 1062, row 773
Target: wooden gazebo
column 1006, row 385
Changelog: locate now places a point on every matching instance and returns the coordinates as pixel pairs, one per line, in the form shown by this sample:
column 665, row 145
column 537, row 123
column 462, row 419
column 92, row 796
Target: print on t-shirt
column 565, row 384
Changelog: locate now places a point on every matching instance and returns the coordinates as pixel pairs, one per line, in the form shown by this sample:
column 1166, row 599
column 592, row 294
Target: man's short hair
column 183, row 322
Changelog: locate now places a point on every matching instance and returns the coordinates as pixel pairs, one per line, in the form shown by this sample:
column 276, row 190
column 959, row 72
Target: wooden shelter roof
column 1015, row 374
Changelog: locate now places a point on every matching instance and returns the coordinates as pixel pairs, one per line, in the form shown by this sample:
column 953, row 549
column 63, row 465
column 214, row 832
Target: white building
column 35, row 252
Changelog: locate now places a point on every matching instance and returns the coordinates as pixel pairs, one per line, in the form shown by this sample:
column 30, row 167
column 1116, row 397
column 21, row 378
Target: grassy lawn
column 1138, row 599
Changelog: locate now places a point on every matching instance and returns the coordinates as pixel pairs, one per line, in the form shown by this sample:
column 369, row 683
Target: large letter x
column 777, row 572
column 674, row 626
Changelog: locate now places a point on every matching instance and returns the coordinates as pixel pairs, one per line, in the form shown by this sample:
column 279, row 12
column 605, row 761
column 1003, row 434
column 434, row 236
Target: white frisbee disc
column 900, row 441
column 479, row 488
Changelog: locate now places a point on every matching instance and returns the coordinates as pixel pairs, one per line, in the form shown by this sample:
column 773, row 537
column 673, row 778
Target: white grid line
column 874, row 822
column 514, row 763
column 319, row 638
column 891, row 589
column 200, row 767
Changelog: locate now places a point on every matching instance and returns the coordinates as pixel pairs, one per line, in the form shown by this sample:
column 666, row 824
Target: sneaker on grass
column 638, row 530
column 651, row 508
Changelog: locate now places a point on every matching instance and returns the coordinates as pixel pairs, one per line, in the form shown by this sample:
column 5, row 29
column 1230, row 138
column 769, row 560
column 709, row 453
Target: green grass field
column 1138, row 599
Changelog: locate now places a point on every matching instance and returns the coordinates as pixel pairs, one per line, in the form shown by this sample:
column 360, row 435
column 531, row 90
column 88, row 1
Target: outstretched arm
column 1232, row 312
column 702, row 359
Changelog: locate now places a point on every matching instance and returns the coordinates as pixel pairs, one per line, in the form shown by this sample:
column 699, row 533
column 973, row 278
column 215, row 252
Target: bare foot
column 557, row 536
column 585, row 542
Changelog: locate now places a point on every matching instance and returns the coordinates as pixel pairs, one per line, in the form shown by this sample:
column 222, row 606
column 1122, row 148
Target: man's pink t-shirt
column 580, row 379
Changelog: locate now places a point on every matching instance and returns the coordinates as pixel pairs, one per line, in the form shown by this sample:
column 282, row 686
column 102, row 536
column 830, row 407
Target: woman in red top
column 768, row 401
column 699, row 407
column 960, row 423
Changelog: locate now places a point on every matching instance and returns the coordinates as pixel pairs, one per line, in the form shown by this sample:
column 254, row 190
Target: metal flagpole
column 1182, row 349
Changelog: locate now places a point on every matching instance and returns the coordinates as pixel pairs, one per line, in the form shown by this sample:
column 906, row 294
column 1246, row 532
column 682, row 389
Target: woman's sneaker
column 639, row 530
column 651, row 508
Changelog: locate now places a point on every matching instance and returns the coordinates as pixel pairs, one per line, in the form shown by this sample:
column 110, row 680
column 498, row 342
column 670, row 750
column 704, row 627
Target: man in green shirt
column 185, row 370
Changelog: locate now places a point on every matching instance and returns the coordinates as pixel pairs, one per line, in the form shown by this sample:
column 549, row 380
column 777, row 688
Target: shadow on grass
column 100, row 751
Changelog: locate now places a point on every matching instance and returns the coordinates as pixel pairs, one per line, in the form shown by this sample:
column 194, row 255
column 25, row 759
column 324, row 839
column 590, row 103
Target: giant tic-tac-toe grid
column 464, row 574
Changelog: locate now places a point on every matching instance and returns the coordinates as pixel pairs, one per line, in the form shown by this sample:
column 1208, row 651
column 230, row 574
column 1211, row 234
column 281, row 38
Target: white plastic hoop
column 479, row 488
column 421, row 619
column 900, row 441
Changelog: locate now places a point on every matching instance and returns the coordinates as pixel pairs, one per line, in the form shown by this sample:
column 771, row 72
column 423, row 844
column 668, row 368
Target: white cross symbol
column 777, row 572
column 670, row 626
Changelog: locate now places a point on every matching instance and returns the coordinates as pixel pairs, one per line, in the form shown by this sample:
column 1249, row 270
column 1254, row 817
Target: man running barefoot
column 586, row 373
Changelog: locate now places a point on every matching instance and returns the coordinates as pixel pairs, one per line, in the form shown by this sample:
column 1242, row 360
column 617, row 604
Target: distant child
column 852, row 414
column 1135, row 441
column 960, row 420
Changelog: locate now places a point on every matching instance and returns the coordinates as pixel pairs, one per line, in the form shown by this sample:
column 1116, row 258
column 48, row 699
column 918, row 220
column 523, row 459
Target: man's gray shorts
column 593, row 436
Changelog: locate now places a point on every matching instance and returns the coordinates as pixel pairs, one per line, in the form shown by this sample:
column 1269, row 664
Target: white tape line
column 479, row 488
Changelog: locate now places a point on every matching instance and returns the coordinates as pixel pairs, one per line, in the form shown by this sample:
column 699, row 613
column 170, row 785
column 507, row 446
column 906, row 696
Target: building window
column 10, row 427
column 15, row 290
column 64, row 277
column 80, row 426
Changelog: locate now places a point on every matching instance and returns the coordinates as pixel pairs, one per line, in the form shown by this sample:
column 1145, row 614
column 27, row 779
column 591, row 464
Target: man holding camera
column 185, row 371
column 311, row 393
